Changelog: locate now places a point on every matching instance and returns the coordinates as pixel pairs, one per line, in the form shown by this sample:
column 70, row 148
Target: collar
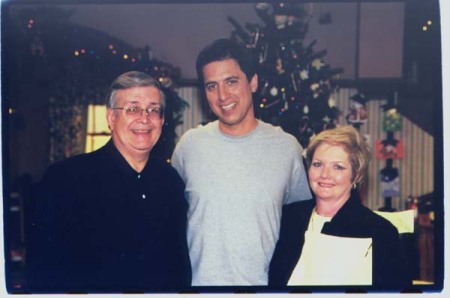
column 251, row 133
column 348, row 207
column 115, row 160
column 347, row 213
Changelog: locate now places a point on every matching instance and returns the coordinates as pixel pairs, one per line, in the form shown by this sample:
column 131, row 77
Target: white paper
column 402, row 220
column 331, row 260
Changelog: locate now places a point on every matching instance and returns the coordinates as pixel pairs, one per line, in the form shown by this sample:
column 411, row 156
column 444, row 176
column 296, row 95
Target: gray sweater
column 236, row 188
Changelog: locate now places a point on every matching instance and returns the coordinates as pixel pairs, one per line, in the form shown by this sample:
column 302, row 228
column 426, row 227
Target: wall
column 416, row 169
column 369, row 49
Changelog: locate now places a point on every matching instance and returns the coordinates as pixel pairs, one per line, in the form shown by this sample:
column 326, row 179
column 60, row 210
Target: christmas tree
column 295, row 84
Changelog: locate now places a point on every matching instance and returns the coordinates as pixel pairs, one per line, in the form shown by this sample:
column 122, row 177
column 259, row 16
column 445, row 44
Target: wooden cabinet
column 425, row 241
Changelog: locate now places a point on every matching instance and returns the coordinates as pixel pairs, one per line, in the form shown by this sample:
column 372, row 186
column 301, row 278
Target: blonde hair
column 354, row 144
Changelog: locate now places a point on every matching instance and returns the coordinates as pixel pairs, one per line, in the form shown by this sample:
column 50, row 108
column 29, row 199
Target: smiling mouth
column 321, row 184
column 140, row 130
column 228, row 107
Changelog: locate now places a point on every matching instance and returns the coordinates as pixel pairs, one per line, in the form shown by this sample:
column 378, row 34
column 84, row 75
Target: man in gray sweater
column 239, row 172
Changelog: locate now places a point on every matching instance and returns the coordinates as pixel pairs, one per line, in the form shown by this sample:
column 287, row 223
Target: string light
column 30, row 23
column 114, row 52
column 425, row 27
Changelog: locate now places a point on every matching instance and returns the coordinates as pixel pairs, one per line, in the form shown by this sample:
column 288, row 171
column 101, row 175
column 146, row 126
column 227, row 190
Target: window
column 98, row 132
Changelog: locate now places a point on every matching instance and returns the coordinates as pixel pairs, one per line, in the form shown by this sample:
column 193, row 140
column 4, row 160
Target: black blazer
column 353, row 220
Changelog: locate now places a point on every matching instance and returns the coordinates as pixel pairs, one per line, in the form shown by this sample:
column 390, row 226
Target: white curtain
column 194, row 114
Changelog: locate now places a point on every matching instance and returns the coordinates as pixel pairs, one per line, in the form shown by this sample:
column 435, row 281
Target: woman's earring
column 354, row 186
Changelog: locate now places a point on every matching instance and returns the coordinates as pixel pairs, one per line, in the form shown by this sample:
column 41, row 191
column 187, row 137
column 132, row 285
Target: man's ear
column 110, row 117
column 254, row 83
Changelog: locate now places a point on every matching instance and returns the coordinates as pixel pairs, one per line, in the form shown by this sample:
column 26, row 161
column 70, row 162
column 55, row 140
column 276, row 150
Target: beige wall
column 416, row 168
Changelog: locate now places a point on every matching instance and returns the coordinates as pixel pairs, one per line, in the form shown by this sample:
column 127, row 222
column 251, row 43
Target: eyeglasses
column 135, row 111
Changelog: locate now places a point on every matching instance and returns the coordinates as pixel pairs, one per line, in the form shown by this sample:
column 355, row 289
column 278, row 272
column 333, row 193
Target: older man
column 114, row 220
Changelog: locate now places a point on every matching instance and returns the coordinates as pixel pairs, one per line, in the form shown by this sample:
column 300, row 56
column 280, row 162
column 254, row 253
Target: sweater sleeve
column 177, row 159
column 299, row 185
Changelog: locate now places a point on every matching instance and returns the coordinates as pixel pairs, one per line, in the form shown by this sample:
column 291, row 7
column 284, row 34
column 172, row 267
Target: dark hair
column 129, row 80
column 222, row 49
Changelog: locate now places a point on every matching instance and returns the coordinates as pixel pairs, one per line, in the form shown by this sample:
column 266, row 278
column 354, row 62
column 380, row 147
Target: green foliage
column 295, row 84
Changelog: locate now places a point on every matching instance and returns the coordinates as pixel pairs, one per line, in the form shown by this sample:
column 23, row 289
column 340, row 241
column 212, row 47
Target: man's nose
column 144, row 115
column 222, row 93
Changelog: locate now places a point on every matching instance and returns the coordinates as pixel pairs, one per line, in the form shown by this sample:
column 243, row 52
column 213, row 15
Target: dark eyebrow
column 232, row 78
column 226, row 79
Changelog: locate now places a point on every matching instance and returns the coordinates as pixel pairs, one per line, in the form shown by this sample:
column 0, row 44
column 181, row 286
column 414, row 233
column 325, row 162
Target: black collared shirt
column 102, row 227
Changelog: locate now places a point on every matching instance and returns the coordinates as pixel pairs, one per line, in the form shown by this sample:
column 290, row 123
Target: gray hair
column 129, row 80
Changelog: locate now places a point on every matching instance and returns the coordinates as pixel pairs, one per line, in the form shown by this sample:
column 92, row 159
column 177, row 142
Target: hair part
column 354, row 144
column 129, row 80
column 223, row 49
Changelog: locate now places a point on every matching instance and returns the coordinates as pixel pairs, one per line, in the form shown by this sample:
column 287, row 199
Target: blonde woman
column 337, row 164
